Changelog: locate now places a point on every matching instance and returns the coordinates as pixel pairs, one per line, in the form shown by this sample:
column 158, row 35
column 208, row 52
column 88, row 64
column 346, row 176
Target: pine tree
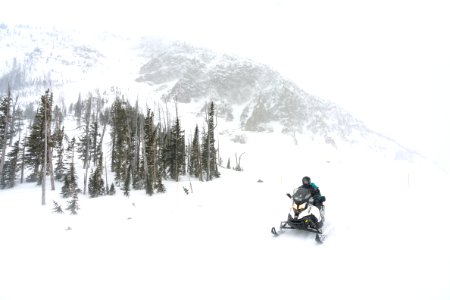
column 150, row 153
column 135, row 144
column 119, row 130
column 195, row 160
column 209, row 154
column 60, row 168
column 70, row 186
column 73, row 204
column 112, row 190
column 95, row 142
column 57, row 207
column 175, row 154
column 96, row 185
column 159, row 186
column 205, row 152
column 8, row 178
column 86, row 145
column 22, row 159
column 5, row 132
column 147, row 127
column 34, row 157
column 65, row 190
column 127, row 183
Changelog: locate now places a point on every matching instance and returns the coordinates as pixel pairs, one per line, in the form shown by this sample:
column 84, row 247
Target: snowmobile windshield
column 301, row 195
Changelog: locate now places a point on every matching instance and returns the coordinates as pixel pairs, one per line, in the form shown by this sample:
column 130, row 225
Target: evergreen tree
column 149, row 152
column 5, row 127
column 159, row 186
column 57, row 207
column 176, row 155
column 86, row 144
column 70, row 186
column 195, row 160
column 161, row 154
column 96, row 185
column 119, row 137
column 112, row 190
column 8, row 178
column 127, row 183
column 34, row 157
column 60, row 168
column 95, row 143
column 209, row 153
column 135, row 144
column 21, row 160
column 35, row 147
column 205, row 152
column 73, row 204
column 65, row 190
column 69, row 154
column 125, row 153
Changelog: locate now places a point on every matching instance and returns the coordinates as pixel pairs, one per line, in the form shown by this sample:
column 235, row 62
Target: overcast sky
column 387, row 62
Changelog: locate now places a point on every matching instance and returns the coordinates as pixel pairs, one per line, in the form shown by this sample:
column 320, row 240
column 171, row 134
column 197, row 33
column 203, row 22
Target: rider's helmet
column 306, row 180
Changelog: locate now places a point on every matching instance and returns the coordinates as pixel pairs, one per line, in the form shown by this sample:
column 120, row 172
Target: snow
column 387, row 221
column 386, row 240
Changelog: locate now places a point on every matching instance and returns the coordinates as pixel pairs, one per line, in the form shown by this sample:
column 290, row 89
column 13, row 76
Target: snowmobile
column 306, row 213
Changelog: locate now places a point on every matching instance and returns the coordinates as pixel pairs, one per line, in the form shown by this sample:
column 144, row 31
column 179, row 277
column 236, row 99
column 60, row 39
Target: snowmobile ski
column 274, row 231
column 320, row 238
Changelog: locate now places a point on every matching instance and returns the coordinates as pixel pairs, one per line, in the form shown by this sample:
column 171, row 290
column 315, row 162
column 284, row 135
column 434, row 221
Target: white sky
column 387, row 62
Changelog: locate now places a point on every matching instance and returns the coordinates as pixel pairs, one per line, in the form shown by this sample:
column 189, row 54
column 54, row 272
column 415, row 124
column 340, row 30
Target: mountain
column 249, row 94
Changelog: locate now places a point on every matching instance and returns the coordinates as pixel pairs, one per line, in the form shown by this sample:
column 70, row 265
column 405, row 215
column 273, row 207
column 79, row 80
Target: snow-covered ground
column 388, row 240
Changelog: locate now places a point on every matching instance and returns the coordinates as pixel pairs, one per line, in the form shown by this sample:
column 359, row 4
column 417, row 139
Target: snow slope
column 387, row 239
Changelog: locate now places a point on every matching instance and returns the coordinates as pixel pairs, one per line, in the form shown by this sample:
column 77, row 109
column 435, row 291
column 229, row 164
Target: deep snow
column 388, row 238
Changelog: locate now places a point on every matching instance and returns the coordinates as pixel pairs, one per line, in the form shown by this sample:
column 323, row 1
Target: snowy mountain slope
column 249, row 95
column 256, row 98
column 33, row 59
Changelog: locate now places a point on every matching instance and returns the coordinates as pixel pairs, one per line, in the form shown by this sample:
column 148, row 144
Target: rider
column 314, row 190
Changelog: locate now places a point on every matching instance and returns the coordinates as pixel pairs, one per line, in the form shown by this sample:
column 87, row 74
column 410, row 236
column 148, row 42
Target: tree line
column 143, row 152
